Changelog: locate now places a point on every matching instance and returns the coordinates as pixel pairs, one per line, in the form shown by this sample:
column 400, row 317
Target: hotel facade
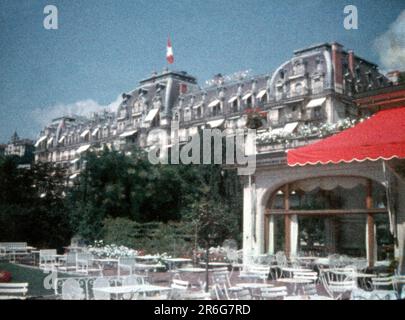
column 316, row 209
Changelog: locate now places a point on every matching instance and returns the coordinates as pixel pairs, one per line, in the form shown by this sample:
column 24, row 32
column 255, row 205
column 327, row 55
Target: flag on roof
column 169, row 52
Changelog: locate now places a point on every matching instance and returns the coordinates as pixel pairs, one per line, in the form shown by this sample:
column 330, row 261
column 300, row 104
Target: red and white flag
column 169, row 52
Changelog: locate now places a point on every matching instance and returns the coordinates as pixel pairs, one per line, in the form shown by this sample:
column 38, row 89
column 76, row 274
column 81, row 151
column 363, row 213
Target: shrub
column 152, row 237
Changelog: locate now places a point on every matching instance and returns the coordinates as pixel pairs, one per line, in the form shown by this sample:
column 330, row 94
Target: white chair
column 244, row 294
column 281, row 263
column 308, row 277
column 235, row 259
column 273, row 293
column 339, row 288
column 256, row 272
column 68, row 263
column 101, row 283
column 386, row 283
column 126, row 263
column 310, row 289
column 85, row 265
column 360, row 294
column 71, row 290
column 47, row 259
column 399, row 282
column 222, row 286
column 13, row 291
column 179, row 288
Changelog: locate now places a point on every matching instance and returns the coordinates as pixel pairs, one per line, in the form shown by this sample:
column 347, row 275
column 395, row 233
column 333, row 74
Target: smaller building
column 2, row 149
column 23, row 148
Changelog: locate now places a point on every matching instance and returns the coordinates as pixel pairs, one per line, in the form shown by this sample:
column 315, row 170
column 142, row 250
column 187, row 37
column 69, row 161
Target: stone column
column 248, row 236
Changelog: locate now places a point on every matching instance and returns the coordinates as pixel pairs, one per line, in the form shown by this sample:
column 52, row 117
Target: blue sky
column 103, row 48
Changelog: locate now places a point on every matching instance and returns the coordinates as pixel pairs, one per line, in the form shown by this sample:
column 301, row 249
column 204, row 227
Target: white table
column 194, row 270
column 140, row 288
column 291, row 270
column 215, row 264
column 173, row 261
column 197, row 270
column 315, row 297
column 254, row 285
column 102, row 262
column 293, row 281
column 147, row 258
column 144, row 267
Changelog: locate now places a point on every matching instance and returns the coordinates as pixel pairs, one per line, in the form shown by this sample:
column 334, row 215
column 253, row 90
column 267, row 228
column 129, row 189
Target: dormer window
column 215, row 107
column 298, row 89
column 216, row 110
column 358, row 73
column 187, row 114
column 199, row 112
column 369, row 78
column 233, row 104
column 380, row 81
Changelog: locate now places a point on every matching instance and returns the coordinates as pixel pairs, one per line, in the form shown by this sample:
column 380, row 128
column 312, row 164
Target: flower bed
column 110, row 251
column 5, row 276
column 306, row 131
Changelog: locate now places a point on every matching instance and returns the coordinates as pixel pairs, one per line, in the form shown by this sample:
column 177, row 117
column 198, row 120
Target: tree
column 32, row 204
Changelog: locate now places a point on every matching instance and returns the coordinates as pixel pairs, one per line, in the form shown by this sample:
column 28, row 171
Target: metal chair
column 47, row 259
column 68, row 263
column 273, row 293
column 13, row 291
column 84, row 264
column 71, row 290
column 101, row 283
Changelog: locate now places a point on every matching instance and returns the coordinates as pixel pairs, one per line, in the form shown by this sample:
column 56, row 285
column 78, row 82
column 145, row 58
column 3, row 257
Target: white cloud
column 390, row 46
column 43, row 116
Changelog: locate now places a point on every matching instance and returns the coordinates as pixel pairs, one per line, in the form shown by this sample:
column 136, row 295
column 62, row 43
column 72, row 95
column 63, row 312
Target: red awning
column 382, row 136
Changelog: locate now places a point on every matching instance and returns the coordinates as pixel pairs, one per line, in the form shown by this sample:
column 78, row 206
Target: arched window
column 329, row 215
column 298, row 89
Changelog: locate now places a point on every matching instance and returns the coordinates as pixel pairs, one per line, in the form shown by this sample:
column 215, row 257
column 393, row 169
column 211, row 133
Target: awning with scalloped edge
column 382, row 136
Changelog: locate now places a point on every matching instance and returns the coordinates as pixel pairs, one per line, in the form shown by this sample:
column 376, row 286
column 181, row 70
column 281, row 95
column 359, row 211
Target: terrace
column 120, row 273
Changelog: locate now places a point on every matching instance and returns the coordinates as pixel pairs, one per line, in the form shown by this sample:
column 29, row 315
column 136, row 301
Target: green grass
column 34, row 277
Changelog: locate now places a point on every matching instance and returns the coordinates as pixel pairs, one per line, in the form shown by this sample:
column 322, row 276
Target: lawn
column 34, row 277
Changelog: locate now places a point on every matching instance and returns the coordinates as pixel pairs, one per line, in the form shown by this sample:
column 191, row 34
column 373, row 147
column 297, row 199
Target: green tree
column 32, row 204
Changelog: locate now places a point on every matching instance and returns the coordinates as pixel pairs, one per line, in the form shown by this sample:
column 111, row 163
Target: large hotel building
column 311, row 95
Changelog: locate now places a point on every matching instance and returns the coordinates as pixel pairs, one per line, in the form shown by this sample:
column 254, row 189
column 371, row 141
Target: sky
column 103, row 48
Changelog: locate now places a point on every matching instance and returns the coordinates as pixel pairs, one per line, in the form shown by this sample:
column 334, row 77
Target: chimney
column 351, row 62
column 337, row 66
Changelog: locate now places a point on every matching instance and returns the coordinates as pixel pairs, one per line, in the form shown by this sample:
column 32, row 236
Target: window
column 249, row 102
column 358, row 74
column 198, row 112
column 369, row 78
column 298, row 89
column 317, row 112
column 234, row 106
column 279, row 93
column 156, row 120
column 264, row 98
column 317, row 86
column 187, row 114
column 216, row 110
